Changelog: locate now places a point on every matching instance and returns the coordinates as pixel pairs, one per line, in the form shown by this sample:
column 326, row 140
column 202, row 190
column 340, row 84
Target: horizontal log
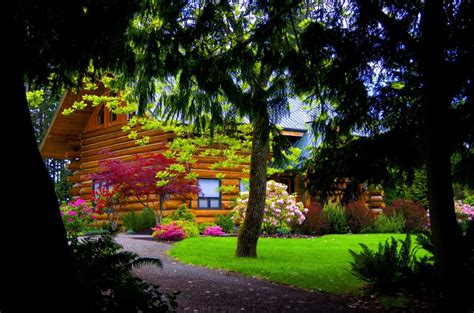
column 114, row 146
column 211, row 159
column 374, row 204
column 375, row 193
column 75, row 191
column 72, row 154
column 206, row 166
column 209, row 213
column 120, row 137
column 73, row 166
column 100, row 132
column 74, row 179
column 85, row 191
column 201, row 220
column 95, row 136
column 156, row 148
column 212, row 174
column 376, row 198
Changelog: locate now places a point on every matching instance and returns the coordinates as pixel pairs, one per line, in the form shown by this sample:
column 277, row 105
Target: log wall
column 117, row 141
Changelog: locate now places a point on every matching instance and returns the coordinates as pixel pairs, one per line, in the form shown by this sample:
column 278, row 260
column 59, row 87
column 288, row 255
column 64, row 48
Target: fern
column 104, row 277
column 137, row 263
column 391, row 267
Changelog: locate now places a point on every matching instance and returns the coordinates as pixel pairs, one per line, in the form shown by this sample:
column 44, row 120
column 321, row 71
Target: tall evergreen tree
column 217, row 62
column 48, row 42
column 396, row 93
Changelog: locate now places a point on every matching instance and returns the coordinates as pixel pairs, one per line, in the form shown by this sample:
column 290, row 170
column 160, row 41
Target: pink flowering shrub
column 281, row 208
column 170, row 232
column 213, row 231
column 464, row 213
column 76, row 216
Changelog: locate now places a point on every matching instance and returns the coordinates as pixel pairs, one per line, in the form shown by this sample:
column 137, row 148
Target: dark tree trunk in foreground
column 447, row 237
column 250, row 229
column 35, row 254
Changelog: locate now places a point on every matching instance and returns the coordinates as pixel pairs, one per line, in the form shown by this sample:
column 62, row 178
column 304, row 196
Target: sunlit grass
column 318, row 263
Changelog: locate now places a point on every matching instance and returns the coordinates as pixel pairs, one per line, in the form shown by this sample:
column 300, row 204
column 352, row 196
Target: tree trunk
column 35, row 251
column 447, row 236
column 160, row 216
column 250, row 230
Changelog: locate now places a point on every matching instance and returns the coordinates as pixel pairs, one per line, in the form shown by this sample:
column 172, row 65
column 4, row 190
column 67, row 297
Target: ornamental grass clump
column 281, row 209
column 76, row 216
column 171, row 232
column 213, row 231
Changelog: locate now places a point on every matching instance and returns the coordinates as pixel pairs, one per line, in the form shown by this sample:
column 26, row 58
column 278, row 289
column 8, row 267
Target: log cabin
column 80, row 137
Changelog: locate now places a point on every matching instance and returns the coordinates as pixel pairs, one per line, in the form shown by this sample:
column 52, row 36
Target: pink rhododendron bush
column 213, row 231
column 281, row 209
column 76, row 216
column 170, row 232
column 464, row 213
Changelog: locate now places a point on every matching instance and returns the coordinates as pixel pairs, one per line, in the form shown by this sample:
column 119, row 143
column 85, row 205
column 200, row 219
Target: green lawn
column 318, row 263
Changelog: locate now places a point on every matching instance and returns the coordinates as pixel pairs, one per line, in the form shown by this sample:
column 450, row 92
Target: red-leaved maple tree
column 145, row 176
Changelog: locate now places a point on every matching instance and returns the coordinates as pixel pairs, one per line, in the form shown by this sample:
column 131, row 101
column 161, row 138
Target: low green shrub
column 336, row 218
column 166, row 221
column 183, row 213
column 225, row 222
column 190, row 228
column 149, row 218
column 131, row 221
column 283, row 231
column 138, row 222
column 389, row 224
column 469, row 199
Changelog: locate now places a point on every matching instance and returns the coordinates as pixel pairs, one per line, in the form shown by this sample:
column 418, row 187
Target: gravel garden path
column 207, row 290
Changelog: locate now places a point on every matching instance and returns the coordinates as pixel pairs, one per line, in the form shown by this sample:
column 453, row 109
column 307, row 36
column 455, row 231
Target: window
column 101, row 117
column 289, row 181
column 98, row 187
column 113, row 117
column 244, row 185
column 130, row 115
column 210, row 196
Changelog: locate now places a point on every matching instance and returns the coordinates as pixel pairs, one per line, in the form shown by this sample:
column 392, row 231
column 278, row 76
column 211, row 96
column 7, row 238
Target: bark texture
column 446, row 233
column 250, row 230
column 36, row 256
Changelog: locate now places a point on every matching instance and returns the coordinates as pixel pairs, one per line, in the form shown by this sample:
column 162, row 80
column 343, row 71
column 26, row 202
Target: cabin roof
column 298, row 118
column 62, row 140
column 63, row 137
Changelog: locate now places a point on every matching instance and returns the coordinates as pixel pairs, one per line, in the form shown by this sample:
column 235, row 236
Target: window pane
column 202, row 203
column 215, row 203
column 209, row 187
column 96, row 186
column 243, row 185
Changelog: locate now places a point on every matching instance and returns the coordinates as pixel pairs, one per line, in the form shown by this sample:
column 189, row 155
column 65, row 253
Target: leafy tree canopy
column 368, row 94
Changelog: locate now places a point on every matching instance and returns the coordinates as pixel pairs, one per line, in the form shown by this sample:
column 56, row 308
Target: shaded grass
column 317, row 263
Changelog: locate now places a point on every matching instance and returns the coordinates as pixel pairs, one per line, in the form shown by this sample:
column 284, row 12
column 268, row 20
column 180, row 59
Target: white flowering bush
column 281, row 208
